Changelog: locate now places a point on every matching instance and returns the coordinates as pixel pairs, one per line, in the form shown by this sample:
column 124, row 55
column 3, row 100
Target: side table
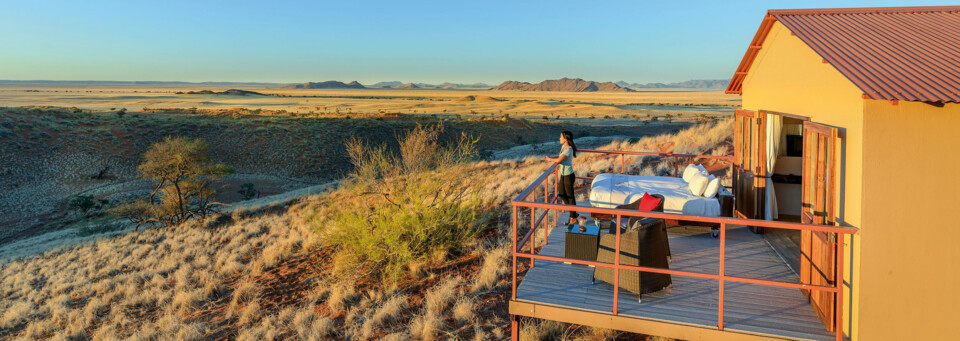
column 581, row 245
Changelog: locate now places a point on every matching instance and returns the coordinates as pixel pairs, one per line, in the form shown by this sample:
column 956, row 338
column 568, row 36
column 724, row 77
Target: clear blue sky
column 370, row 41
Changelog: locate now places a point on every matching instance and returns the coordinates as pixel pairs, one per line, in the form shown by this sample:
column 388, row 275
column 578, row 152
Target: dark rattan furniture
column 581, row 245
column 645, row 244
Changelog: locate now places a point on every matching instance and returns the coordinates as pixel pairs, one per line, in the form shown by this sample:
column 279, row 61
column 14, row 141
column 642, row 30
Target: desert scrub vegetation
column 404, row 208
column 265, row 273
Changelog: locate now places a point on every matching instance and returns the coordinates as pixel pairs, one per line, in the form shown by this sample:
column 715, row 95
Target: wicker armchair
column 644, row 244
column 633, row 221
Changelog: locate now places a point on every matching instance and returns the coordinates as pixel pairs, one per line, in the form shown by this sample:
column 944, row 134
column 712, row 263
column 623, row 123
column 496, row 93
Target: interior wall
column 789, row 77
column 911, row 257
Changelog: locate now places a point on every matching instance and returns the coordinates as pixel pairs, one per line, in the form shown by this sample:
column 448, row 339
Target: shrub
column 84, row 203
column 403, row 209
column 183, row 174
column 247, row 191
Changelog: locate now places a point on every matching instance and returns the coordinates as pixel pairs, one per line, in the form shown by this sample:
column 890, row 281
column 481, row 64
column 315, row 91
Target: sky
column 371, row 41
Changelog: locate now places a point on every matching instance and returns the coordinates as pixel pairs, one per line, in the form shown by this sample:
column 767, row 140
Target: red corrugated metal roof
column 895, row 53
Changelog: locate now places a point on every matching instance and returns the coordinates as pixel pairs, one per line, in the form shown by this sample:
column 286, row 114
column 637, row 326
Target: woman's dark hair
column 569, row 137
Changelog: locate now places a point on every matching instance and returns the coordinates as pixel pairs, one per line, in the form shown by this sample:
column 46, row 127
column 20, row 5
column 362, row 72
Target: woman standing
column 568, row 151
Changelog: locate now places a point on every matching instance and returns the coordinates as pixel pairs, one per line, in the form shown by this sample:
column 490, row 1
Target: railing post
column 616, row 267
column 723, row 257
column 533, row 233
column 514, row 288
column 621, row 163
column 546, row 218
column 839, row 284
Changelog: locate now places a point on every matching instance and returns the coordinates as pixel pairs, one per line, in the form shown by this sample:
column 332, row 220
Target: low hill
column 563, row 84
column 231, row 92
column 407, row 86
column 327, row 85
column 473, row 98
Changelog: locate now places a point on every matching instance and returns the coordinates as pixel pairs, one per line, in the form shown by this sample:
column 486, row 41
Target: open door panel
column 750, row 169
column 818, row 249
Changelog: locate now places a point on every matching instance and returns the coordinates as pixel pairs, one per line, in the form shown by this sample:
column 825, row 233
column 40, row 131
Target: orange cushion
column 648, row 202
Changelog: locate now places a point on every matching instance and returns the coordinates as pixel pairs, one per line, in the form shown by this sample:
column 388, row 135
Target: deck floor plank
column 747, row 307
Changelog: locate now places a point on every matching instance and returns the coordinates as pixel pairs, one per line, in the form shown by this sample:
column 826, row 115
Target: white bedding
column 611, row 190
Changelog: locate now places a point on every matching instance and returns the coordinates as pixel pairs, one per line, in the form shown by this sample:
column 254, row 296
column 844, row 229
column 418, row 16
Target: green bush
column 247, row 191
column 402, row 209
column 84, row 203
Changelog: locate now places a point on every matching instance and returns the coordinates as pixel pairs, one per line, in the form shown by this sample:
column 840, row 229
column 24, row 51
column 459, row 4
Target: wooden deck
column 748, row 308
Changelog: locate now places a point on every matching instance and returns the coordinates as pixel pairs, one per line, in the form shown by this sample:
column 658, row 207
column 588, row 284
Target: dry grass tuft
column 245, row 292
column 303, row 320
column 463, row 310
column 535, row 330
column 398, row 336
column 320, row 328
column 494, row 265
column 426, row 326
column 340, row 297
column 191, row 332
column 440, row 296
column 16, row 314
column 250, row 312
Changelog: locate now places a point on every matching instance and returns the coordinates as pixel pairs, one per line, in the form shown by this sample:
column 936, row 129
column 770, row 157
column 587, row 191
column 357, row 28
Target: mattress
column 611, row 190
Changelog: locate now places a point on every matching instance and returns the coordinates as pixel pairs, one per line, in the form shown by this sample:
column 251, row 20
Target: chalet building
column 841, row 220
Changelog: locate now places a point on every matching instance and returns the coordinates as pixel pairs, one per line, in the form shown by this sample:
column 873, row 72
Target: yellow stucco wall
column 789, row 77
column 910, row 288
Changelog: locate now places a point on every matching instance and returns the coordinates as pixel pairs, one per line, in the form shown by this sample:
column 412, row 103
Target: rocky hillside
column 327, row 85
column 563, row 84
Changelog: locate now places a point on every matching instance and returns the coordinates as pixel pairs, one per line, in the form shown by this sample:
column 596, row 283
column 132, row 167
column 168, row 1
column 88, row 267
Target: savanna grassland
column 408, row 237
column 681, row 104
column 267, row 273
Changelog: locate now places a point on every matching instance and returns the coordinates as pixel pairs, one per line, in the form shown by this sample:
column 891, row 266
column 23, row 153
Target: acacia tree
column 183, row 174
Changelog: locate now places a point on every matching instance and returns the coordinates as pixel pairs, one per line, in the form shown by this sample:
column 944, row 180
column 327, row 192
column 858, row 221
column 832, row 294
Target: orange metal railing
column 550, row 203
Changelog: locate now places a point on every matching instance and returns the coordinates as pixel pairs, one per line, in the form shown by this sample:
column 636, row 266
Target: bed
column 610, row 190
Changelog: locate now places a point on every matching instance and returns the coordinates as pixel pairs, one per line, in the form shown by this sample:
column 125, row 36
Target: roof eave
column 736, row 83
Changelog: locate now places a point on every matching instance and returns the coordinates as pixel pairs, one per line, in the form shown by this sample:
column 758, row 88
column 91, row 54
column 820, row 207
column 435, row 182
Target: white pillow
column 698, row 184
column 689, row 172
column 703, row 170
column 712, row 187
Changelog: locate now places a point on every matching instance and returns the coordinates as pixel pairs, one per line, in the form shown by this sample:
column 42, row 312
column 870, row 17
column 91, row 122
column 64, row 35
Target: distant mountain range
column 445, row 85
column 137, row 83
column 563, row 84
column 690, row 84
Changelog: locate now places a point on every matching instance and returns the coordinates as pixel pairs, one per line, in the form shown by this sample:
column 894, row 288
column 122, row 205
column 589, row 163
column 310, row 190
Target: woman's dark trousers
column 566, row 192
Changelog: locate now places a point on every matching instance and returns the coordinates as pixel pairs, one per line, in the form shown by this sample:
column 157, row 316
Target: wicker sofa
column 643, row 243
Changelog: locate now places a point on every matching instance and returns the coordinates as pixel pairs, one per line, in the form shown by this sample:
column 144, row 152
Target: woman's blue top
column 566, row 166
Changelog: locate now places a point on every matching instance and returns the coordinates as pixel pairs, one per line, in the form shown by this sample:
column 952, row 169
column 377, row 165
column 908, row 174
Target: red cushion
column 648, row 202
